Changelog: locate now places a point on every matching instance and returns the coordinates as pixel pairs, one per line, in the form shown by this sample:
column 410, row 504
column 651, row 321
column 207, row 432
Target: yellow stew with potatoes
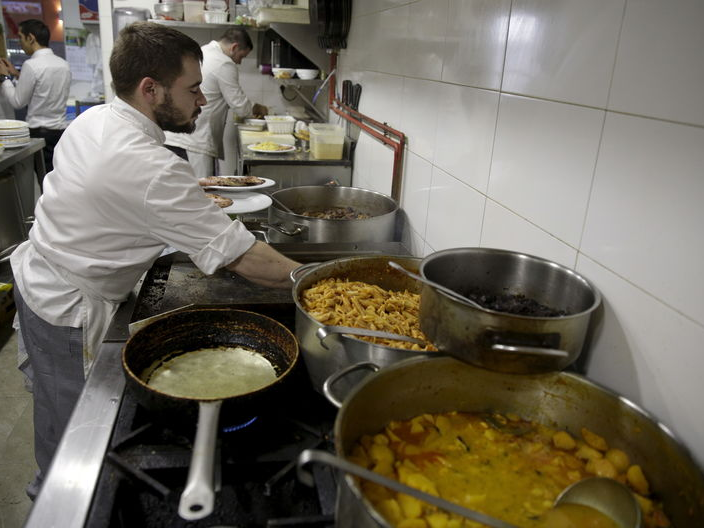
column 500, row 465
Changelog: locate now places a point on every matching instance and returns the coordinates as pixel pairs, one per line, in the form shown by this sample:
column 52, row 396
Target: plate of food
column 240, row 203
column 269, row 147
column 235, row 183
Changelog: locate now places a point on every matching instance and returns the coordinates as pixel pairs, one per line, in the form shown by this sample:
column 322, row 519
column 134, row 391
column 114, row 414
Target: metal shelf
column 204, row 25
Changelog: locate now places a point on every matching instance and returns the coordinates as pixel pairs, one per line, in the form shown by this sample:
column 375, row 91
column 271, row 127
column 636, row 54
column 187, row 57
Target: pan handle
column 336, row 376
column 198, row 498
column 530, row 350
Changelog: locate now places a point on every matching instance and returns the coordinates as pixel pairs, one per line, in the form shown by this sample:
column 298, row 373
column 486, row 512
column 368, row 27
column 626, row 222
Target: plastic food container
column 326, row 141
column 280, row 124
column 168, row 11
column 193, row 11
column 215, row 17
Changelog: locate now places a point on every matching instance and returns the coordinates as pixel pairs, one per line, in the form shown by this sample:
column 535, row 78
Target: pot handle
column 285, row 231
column 300, row 270
column 311, row 455
column 533, row 351
column 198, row 497
column 337, row 376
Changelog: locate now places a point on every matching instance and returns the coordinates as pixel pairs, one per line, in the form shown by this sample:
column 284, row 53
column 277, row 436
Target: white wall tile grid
column 567, row 129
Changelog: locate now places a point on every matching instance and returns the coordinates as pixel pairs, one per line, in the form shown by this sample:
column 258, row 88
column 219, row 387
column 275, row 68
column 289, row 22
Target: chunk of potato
column 564, row 440
column 411, row 508
column 619, row 459
column 587, row 453
column 637, row 480
column 601, row 467
column 390, row 510
column 594, row 440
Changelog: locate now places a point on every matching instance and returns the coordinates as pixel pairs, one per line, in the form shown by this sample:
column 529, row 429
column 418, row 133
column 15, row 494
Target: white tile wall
column 562, row 49
column 475, row 43
column 659, row 69
column 594, row 159
column 543, row 162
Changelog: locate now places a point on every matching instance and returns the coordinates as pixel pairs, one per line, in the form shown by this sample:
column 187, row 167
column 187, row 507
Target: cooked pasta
column 358, row 304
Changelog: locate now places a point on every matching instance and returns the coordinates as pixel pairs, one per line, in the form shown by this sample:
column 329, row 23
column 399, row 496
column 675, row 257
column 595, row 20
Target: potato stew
column 497, row 464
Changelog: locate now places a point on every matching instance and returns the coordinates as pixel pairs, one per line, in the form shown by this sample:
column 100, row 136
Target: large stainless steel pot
column 291, row 226
column 345, row 350
column 498, row 340
column 563, row 400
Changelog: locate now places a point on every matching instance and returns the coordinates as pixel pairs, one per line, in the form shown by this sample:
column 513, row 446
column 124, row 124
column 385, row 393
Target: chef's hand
column 259, row 110
column 6, row 68
column 263, row 265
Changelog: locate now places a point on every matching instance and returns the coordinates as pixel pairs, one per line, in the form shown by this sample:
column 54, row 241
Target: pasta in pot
column 500, row 465
column 335, row 301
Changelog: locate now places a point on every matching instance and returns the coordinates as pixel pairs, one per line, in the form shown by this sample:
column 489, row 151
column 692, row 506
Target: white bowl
column 283, row 73
column 307, row 74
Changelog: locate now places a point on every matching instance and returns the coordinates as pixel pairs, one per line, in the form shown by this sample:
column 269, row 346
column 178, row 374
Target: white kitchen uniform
column 116, row 198
column 43, row 86
column 221, row 89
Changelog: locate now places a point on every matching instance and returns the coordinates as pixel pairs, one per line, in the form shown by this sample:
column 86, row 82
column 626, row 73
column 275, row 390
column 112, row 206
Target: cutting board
column 248, row 137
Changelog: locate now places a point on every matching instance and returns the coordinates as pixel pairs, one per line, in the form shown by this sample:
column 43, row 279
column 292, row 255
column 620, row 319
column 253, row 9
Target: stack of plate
column 13, row 133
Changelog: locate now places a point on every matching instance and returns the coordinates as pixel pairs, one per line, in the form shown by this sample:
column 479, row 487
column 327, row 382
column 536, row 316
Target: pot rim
column 497, row 251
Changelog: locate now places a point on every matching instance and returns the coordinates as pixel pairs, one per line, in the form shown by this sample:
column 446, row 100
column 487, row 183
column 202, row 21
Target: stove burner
column 255, row 479
column 233, row 428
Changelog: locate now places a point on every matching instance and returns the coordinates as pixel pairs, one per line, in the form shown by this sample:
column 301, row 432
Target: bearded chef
column 116, row 198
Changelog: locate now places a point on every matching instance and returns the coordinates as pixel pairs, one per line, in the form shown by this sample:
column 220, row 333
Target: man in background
column 222, row 90
column 43, row 86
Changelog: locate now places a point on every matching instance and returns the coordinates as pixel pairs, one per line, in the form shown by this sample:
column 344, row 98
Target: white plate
column 289, row 148
column 14, row 145
column 246, row 202
column 12, row 123
column 14, row 132
column 267, row 183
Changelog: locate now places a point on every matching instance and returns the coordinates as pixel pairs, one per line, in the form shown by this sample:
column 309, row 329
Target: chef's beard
column 170, row 119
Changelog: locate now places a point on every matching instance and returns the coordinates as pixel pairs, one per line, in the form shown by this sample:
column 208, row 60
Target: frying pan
column 186, row 331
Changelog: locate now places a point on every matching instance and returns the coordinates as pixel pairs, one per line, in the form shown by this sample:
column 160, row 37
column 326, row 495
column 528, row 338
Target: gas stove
column 119, row 465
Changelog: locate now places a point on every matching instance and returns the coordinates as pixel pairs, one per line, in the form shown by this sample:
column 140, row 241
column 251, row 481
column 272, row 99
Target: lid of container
column 325, row 128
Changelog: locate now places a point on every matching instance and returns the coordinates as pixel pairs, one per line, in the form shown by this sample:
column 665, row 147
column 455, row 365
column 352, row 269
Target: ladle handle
column 198, row 498
column 310, row 455
column 447, row 291
column 530, row 350
column 325, row 331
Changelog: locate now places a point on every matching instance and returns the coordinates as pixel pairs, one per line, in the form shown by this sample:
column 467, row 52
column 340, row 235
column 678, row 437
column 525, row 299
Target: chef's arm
column 263, row 265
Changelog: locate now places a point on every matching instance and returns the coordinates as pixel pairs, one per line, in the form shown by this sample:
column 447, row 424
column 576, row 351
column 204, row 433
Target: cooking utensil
column 310, row 455
column 607, row 496
column 325, row 331
column 356, row 95
column 345, row 350
column 190, row 330
column 286, row 224
column 563, row 400
column 446, row 291
column 505, row 341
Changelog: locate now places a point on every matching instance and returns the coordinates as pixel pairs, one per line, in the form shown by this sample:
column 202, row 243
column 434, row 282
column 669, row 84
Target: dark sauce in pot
column 514, row 304
column 336, row 213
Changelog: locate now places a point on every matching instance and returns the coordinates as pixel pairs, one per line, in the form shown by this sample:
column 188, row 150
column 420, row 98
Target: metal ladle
column 607, row 496
column 325, row 331
column 445, row 290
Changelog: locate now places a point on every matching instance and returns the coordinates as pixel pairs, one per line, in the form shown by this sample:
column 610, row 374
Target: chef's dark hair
column 145, row 49
column 239, row 37
column 38, row 29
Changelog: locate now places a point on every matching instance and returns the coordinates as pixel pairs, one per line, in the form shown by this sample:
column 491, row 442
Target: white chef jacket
column 221, row 88
column 115, row 200
column 43, row 86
